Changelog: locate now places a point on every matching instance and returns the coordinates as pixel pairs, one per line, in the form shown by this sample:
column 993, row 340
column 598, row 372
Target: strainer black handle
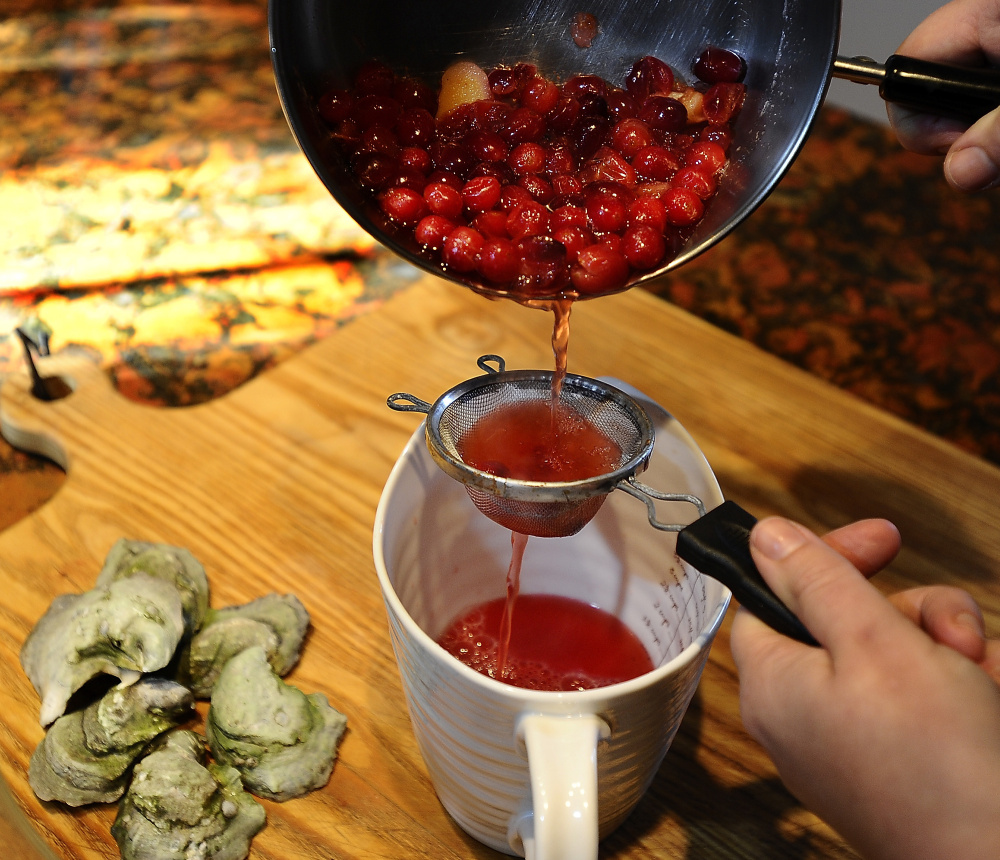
column 718, row 545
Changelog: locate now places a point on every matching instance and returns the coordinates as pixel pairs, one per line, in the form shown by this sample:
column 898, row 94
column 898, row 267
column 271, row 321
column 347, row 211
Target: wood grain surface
column 274, row 488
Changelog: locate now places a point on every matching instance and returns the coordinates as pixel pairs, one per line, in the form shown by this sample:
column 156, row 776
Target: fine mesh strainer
column 716, row 543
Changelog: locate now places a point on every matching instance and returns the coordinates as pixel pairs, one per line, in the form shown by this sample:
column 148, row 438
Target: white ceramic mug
column 545, row 774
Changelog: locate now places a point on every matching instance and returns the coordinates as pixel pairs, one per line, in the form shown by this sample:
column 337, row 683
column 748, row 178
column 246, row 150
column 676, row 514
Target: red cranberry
column 574, row 239
column 415, row 127
column 643, row 247
column 609, row 166
column 566, row 185
column 599, row 269
column 523, row 125
column 719, row 134
column 513, row 196
column 583, row 29
column 375, row 109
column 663, row 113
column 461, row 249
column 542, row 266
column 723, row 101
column 411, row 93
column 631, row 135
column 443, row 200
column 452, row 157
column 481, row 193
column 647, row 211
column 446, row 177
column 528, row 219
column 539, row 188
column 379, row 139
column 498, row 261
column 587, row 135
column 696, row 180
column 487, row 146
column 432, row 230
column 649, row 76
column 561, row 117
column 335, row 105
column 705, row 155
column 415, row 158
column 580, row 85
column 374, row 77
column 403, row 204
column 491, row 224
column 373, row 170
column 540, row 95
column 620, row 105
column 527, row 158
column 717, row 65
column 684, row 207
column 506, row 82
column 607, row 214
column 568, row 216
column 655, row 162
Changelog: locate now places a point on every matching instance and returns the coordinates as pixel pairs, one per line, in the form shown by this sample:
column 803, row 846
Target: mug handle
column 561, row 821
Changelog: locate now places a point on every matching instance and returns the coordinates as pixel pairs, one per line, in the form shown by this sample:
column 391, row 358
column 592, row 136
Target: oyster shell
column 162, row 561
column 276, row 622
column 282, row 741
column 176, row 808
column 85, row 756
column 125, row 628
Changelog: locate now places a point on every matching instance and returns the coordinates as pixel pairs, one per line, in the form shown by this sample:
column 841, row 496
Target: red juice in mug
column 556, row 643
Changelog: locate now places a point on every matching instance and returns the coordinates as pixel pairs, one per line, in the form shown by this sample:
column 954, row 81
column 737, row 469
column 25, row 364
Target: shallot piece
column 462, row 83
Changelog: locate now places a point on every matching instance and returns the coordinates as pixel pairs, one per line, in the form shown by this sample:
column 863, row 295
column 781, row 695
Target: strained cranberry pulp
column 519, row 185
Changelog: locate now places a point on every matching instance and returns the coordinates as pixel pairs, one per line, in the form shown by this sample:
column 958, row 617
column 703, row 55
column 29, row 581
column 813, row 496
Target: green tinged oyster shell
column 162, row 561
column 178, row 809
column 282, row 741
column 278, row 623
column 125, row 628
column 85, row 756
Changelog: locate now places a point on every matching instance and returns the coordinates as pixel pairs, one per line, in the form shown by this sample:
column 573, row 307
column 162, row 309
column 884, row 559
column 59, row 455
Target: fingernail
column 971, row 622
column 776, row 538
column 971, row 169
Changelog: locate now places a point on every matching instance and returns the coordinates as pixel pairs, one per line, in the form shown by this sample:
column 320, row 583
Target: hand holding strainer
column 716, row 543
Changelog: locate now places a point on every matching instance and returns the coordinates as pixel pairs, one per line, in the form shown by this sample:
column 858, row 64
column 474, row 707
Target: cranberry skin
column 444, row 200
column 649, row 76
column 335, row 105
column 403, row 205
column 497, row 169
column 599, row 270
column 684, row 208
column 462, row 248
column 706, row 156
column 498, row 261
column 481, row 193
column 643, row 247
column 565, row 185
column 717, row 65
column 528, row 219
column 609, row 166
column 592, row 104
column 510, row 82
column 723, row 102
column 631, row 135
column 559, row 160
column 663, row 113
column 432, row 230
column 407, row 177
column 694, row 179
column 655, row 162
column 416, row 127
column 539, row 188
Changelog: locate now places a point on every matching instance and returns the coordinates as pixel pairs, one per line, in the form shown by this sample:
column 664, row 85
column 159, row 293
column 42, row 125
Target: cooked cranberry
column 559, row 160
column 510, row 82
column 481, row 193
column 403, row 204
column 374, row 77
column 513, row 196
column 583, row 29
column 452, row 157
column 648, row 211
column 335, row 105
column 528, row 219
column 443, row 200
column 523, row 125
column 663, row 113
column 719, row 134
column 461, row 249
column 649, row 76
column 499, row 170
column 566, row 185
column 717, row 65
column 608, row 189
column 432, row 230
column 574, row 238
column 542, row 266
column 723, row 101
column 415, row 158
column 407, row 177
column 613, row 241
column 446, row 177
column 643, row 246
column 540, row 95
column 607, row 214
column 346, row 135
column 631, row 135
column 568, row 216
column 620, row 105
column 561, row 117
column 695, row 179
column 491, row 224
column 498, row 261
column 380, row 139
column 587, row 135
column 580, row 85
column 684, row 207
column 527, row 158
column 608, row 165
column 487, row 145
column 599, row 269
column 373, row 170
column 538, row 187
column 415, row 127
column 705, row 155
column 655, row 162
column 592, row 104
column 411, row 93
column 376, row 109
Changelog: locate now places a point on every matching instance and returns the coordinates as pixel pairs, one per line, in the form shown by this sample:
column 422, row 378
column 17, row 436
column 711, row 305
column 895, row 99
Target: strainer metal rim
column 556, row 492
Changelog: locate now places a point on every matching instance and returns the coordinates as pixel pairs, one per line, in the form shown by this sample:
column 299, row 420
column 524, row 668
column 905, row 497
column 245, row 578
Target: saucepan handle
column 718, row 545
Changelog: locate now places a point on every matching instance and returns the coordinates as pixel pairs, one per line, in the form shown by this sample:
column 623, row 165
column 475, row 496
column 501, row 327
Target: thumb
column 973, row 161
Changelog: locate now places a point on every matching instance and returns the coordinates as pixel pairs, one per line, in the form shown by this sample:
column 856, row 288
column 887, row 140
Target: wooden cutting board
column 274, row 488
